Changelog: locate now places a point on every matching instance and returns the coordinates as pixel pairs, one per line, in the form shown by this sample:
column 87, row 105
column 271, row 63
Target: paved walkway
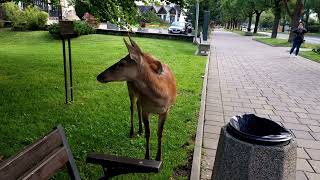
column 249, row 77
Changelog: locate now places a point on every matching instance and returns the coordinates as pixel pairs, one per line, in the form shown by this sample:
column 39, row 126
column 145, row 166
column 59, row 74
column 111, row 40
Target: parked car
column 178, row 28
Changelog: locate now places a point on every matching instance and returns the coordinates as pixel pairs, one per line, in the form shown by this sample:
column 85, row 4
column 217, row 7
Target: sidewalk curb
column 196, row 160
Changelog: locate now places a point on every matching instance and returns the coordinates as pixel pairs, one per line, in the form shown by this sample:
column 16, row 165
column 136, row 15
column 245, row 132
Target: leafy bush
column 83, row 28
column 54, row 30
column 30, row 19
column 151, row 17
column 314, row 28
column 80, row 28
column 35, row 18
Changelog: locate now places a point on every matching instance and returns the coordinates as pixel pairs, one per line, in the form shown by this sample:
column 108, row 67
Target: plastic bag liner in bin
column 253, row 129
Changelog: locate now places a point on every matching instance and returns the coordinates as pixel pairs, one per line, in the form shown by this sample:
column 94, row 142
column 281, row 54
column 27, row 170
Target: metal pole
column 65, row 69
column 70, row 69
column 197, row 19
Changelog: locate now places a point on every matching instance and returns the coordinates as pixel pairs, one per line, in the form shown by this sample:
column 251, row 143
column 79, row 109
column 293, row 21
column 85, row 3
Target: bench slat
column 48, row 166
column 18, row 164
column 141, row 165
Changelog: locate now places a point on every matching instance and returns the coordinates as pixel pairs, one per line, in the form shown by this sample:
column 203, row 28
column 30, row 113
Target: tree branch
column 287, row 7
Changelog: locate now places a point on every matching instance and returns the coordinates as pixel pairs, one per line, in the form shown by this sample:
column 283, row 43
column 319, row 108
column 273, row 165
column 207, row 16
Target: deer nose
column 100, row 78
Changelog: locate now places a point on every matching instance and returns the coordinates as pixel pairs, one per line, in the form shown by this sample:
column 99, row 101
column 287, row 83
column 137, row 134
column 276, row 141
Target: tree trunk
column 249, row 24
column 256, row 24
column 295, row 18
column 228, row 25
column 283, row 24
column 306, row 24
column 277, row 17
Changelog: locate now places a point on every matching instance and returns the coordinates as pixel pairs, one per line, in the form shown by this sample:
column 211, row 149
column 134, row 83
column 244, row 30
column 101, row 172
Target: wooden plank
column 48, row 166
column 71, row 165
column 18, row 164
column 141, row 165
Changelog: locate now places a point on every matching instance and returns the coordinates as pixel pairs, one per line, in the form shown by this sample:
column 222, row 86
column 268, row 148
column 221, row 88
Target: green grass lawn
column 32, row 99
column 284, row 43
column 310, row 55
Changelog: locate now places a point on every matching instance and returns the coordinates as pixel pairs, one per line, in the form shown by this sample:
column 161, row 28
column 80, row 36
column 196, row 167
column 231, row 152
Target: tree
column 115, row 10
column 294, row 16
column 315, row 7
column 277, row 16
column 259, row 7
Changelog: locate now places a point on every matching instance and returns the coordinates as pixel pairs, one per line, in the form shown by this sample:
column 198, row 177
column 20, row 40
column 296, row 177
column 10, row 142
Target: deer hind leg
column 162, row 119
column 145, row 118
column 139, row 116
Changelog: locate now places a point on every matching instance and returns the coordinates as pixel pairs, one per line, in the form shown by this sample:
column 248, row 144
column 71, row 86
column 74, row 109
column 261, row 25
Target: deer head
column 129, row 67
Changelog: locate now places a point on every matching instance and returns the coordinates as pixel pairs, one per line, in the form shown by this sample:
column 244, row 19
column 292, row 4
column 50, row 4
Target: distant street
column 309, row 39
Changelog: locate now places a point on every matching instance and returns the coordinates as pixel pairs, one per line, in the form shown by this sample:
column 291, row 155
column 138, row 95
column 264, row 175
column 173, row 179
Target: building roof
column 160, row 9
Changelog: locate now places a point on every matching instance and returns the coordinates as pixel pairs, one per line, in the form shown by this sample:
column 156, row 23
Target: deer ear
column 156, row 66
column 133, row 52
column 134, row 44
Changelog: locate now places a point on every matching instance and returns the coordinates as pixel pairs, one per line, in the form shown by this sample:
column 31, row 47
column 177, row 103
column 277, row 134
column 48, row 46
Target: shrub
column 30, row 19
column 80, row 28
column 314, row 28
column 54, row 30
column 35, row 18
column 151, row 17
column 83, row 28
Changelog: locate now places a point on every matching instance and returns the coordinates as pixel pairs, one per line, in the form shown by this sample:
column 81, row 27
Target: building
column 170, row 13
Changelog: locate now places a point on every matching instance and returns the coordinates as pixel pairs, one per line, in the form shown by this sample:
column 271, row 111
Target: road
column 309, row 39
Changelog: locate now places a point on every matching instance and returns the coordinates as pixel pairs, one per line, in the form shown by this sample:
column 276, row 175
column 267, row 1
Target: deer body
column 151, row 82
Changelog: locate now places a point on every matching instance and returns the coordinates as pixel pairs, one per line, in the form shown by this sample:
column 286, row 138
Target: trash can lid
column 257, row 130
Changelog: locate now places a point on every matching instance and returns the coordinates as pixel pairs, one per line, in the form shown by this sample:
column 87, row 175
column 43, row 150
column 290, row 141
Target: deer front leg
column 139, row 117
column 145, row 118
column 132, row 101
column 162, row 119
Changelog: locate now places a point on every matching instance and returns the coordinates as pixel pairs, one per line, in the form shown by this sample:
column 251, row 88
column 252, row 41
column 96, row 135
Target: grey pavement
column 309, row 39
column 246, row 76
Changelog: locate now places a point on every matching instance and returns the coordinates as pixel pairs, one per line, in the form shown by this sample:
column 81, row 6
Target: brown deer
column 151, row 82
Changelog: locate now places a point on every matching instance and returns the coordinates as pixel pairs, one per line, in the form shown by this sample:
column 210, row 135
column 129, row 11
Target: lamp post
column 197, row 19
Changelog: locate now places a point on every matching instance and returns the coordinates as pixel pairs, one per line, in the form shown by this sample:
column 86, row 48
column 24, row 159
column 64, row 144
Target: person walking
column 299, row 39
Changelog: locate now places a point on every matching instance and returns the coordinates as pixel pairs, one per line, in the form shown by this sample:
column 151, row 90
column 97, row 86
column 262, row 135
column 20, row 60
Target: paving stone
column 208, row 152
column 211, row 136
column 210, row 143
column 298, row 110
column 302, row 134
column 316, row 135
column 264, row 111
column 308, row 143
column 207, row 162
column 296, row 126
column 314, row 128
column 212, row 129
column 213, row 123
column 300, row 175
column 285, row 113
column 313, row 176
column 314, row 116
column 290, row 119
column 206, row 174
column 309, row 122
column 303, row 165
column 213, row 117
column 315, row 165
column 301, row 153
column 313, row 153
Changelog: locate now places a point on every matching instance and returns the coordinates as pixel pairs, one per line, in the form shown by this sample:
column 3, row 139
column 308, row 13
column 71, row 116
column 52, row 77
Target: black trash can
column 254, row 148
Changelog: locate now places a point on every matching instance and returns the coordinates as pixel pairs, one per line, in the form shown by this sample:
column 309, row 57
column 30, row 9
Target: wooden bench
column 41, row 159
column 45, row 157
column 116, row 165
